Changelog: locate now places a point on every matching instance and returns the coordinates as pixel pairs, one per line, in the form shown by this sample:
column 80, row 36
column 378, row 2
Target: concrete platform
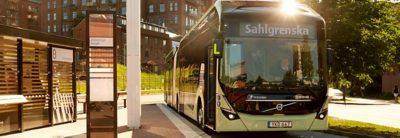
column 155, row 124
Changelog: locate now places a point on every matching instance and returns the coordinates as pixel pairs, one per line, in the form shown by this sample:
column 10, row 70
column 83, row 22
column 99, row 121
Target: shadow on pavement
column 122, row 129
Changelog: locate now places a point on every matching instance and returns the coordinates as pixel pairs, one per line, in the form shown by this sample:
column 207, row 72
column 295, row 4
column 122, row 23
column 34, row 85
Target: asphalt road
column 209, row 134
column 371, row 111
column 295, row 134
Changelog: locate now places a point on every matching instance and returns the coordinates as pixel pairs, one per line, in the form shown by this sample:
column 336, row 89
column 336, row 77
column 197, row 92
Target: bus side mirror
column 330, row 55
column 218, row 48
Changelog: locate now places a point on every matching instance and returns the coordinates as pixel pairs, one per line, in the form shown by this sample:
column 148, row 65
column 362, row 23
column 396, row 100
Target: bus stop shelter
column 37, row 79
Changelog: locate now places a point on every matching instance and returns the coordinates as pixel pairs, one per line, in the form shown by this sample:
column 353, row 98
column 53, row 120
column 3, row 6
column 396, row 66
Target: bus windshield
column 265, row 63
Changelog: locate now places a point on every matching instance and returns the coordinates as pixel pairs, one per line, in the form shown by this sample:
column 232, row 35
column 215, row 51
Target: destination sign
column 276, row 30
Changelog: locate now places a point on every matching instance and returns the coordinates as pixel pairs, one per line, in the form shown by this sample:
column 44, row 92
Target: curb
column 351, row 134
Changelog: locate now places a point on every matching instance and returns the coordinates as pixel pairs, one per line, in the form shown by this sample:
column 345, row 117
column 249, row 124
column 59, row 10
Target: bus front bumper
column 249, row 122
column 298, row 122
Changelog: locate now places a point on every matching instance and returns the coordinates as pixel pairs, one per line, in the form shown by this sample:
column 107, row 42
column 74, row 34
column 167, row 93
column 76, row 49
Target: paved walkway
column 160, row 121
column 381, row 112
column 155, row 120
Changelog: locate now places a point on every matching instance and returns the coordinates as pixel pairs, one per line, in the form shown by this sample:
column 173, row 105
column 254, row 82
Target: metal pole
column 133, row 63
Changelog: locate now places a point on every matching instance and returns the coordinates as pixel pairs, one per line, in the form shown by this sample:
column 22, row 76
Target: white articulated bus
column 252, row 66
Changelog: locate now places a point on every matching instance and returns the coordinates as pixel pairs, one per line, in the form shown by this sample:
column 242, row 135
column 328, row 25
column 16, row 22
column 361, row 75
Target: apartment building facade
column 177, row 15
column 63, row 15
column 21, row 13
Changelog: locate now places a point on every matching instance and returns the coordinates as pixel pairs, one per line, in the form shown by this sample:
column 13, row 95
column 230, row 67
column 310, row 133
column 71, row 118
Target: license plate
column 280, row 124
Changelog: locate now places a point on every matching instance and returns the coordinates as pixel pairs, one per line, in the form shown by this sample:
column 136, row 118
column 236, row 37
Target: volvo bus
column 252, row 66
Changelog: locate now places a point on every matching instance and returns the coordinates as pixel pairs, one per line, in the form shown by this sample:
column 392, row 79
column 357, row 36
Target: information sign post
column 101, row 75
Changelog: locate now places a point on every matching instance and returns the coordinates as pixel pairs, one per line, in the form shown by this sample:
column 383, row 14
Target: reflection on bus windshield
column 289, row 62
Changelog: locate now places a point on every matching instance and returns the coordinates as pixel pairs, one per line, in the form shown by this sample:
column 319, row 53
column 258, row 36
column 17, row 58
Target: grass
column 363, row 128
column 380, row 96
column 151, row 83
column 156, row 91
column 80, row 86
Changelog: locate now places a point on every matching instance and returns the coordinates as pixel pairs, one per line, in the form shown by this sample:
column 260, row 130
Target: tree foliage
column 364, row 35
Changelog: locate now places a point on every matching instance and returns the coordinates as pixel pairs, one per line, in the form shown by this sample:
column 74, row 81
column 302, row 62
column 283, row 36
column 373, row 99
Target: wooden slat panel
column 35, row 83
column 8, row 67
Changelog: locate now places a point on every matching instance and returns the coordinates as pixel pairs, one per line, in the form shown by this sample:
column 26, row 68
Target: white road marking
column 188, row 132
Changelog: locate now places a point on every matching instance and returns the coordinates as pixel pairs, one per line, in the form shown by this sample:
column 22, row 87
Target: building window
column 123, row 10
column 55, row 28
column 74, row 14
column 48, row 29
column 176, row 19
column 151, row 8
column 146, row 40
column 54, row 16
column 176, row 6
column 103, row 1
column 171, row 6
column 48, row 16
column 146, row 54
column 74, row 2
column 83, row 2
column 162, row 7
column 65, row 15
column 48, row 5
column 113, row 1
column 161, row 21
column 187, row 22
column 164, row 43
column 55, row 4
column 65, row 2
column 67, row 28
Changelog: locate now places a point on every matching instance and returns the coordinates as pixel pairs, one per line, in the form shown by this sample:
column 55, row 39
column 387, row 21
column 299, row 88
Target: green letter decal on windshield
column 215, row 50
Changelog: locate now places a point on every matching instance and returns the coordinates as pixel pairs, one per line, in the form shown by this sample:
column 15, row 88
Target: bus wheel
column 200, row 116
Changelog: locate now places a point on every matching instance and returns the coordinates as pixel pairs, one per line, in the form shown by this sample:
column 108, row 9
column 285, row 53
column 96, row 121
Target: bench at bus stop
column 81, row 98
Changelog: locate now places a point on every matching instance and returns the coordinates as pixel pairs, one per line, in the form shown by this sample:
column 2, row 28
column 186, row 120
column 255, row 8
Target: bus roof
column 262, row 6
column 225, row 7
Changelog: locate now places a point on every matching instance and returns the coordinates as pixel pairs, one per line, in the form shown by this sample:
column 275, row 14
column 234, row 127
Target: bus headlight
column 229, row 114
column 322, row 114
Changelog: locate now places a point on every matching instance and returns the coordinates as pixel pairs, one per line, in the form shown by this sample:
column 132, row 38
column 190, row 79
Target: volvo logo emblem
column 279, row 107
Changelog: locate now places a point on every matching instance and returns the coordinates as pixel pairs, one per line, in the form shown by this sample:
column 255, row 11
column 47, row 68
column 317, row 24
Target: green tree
column 364, row 35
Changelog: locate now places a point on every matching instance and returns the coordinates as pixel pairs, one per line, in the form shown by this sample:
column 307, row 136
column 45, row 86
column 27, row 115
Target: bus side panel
column 191, row 83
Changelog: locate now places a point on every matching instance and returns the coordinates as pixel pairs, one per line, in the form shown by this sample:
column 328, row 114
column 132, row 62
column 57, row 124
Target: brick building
column 60, row 16
column 391, row 78
column 63, row 15
column 21, row 13
column 155, row 44
column 177, row 15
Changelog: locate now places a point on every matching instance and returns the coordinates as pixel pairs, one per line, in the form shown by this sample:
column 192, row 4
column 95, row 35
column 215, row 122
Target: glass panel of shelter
column 63, row 93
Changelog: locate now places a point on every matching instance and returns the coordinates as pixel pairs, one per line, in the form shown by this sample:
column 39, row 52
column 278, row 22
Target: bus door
column 209, row 95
